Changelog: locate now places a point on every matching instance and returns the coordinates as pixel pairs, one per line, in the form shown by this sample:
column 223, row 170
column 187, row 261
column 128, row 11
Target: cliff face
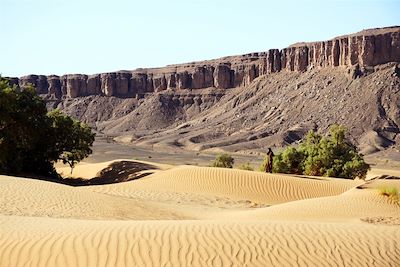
column 360, row 51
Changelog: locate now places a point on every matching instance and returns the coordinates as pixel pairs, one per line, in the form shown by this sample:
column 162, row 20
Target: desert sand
column 199, row 216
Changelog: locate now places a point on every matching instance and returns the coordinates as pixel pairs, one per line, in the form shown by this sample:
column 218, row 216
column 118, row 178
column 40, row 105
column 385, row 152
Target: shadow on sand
column 116, row 172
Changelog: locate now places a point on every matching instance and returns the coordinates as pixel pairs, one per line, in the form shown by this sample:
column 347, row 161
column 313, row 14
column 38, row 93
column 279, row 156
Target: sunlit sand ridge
column 193, row 216
column 235, row 184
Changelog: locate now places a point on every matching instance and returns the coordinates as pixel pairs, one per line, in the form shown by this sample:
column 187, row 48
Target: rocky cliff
column 360, row 51
column 275, row 97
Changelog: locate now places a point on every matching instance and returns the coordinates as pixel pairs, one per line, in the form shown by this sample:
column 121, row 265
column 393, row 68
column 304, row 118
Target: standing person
column 268, row 165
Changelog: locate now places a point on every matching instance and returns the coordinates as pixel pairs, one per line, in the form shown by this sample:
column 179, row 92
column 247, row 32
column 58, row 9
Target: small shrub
column 223, row 161
column 389, row 191
column 332, row 155
column 263, row 164
column 246, row 166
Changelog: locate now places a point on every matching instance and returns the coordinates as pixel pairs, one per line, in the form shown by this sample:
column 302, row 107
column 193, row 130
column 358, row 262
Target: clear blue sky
column 92, row 36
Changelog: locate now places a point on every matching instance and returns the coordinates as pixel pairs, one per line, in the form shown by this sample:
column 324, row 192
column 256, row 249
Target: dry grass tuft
column 390, row 191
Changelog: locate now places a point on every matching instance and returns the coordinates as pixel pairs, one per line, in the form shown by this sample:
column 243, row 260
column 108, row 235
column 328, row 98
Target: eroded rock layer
column 361, row 51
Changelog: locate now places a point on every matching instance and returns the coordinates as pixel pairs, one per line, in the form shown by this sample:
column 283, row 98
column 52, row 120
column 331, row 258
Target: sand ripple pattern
column 29, row 197
column 353, row 204
column 52, row 242
column 235, row 184
column 147, row 222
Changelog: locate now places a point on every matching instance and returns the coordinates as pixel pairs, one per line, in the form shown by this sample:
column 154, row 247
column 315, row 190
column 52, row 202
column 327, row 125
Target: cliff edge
column 360, row 51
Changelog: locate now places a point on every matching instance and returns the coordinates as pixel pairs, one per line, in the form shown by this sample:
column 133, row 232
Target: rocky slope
column 275, row 110
column 246, row 102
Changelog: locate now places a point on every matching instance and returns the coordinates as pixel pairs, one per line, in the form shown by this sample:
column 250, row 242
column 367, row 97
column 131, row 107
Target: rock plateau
column 243, row 103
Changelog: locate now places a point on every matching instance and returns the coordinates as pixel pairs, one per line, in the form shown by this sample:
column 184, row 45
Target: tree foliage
column 289, row 161
column 31, row 139
column 75, row 143
column 223, row 161
column 332, row 155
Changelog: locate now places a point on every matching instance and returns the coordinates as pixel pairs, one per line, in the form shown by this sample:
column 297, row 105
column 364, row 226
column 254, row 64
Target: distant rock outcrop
column 274, row 97
column 365, row 49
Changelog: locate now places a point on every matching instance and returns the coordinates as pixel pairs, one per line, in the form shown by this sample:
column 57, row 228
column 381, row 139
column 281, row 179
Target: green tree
column 332, row 155
column 223, row 161
column 289, row 161
column 23, row 127
column 31, row 139
column 74, row 143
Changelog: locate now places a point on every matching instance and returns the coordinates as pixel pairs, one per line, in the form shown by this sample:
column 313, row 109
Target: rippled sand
column 199, row 216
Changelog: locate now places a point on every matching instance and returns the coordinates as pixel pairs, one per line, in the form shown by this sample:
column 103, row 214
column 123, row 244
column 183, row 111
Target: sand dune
column 60, row 242
column 356, row 204
column 236, row 184
column 381, row 183
column 199, row 216
column 28, row 197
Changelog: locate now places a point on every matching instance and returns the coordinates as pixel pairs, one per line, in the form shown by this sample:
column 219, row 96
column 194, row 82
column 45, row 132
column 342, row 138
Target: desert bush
column 389, row 191
column 246, row 166
column 223, row 161
column 31, row 139
column 332, row 155
column 289, row 161
column 263, row 164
